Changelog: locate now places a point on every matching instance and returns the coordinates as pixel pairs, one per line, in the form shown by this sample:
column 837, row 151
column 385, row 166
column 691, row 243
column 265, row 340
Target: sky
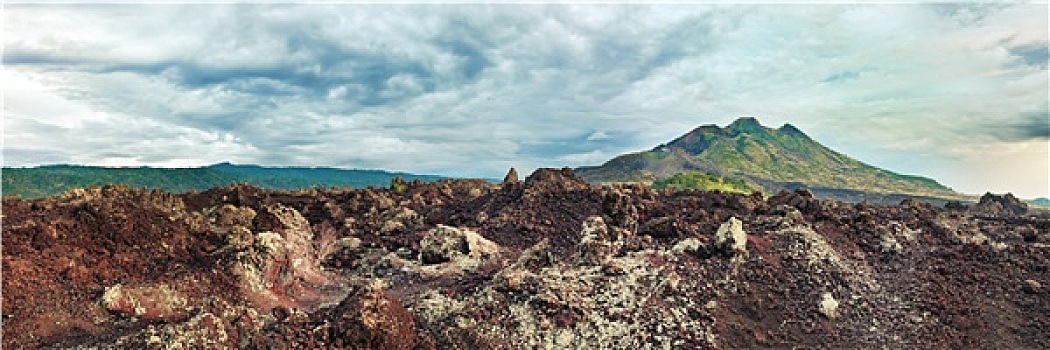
column 955, row 92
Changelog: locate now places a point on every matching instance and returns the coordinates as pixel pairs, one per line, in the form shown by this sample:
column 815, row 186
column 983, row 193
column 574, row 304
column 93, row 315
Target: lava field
column 548, row 262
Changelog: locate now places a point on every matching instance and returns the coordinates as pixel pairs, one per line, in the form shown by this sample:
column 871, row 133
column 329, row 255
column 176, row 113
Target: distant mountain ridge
column 773, row 159
column 51, row 180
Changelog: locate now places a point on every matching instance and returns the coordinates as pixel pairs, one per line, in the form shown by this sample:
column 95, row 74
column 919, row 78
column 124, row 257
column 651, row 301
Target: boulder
column 398, row 220
column 282, row 267
column 731, row 238
column 1007, row 205
column 546, row 179
column 150, row 303
column 955, row 205
column 829, row 307
column 802, row 199
column 445, row 243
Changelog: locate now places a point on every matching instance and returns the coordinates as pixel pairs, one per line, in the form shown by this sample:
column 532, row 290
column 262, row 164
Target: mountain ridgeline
column 55, row 179
column 771, row 159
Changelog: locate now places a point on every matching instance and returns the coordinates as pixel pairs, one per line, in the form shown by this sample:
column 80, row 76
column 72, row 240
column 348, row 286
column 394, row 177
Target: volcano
column 770, row 159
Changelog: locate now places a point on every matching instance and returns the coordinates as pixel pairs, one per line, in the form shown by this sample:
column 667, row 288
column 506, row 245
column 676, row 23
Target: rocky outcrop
column 368, row 318
column 1007, row 204
column 282, row 268
column 512, row 176
column 597, row 242
column 546, row 180
column 149, row 303
column 545, row 263
column 731, row 238
column 460, row 247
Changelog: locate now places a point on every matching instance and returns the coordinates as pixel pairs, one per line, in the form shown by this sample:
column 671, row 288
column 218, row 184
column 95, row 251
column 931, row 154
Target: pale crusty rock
column 829, row 306
column 151, row 302
column 459, row 246
column 689, row 245
column 731, row 237
column 282, row 269
column 596, row 243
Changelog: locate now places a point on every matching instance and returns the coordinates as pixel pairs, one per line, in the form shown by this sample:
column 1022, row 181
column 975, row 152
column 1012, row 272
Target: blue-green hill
column 55, row 179
column 768, row 158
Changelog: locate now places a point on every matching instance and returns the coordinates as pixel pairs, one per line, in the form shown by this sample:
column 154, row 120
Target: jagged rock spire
column 512, row 176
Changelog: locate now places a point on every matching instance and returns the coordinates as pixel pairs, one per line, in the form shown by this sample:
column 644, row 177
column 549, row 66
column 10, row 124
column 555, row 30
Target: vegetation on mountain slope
column 766, row 156
column 704, row 181
column 56, row 179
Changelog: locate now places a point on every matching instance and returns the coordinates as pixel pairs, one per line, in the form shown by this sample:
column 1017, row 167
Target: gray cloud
column 1033, row 54
column 1030, row 125
column 841, row 77
column 471, row 90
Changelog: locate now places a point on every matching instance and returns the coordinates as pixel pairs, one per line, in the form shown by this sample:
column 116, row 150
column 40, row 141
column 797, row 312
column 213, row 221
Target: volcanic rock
column 445, row 243
column 512, row 176
column 399, row 220
column 801, row 199
column 731, row 237
column 283, row 268
column 619, row 206
column 1032, row 286
column 829, row 306
column 150, row 303
column 546, row 179
column 368, row 318
column 991, row 204
column 596, row 242
column 955, row 205
column 240, row 267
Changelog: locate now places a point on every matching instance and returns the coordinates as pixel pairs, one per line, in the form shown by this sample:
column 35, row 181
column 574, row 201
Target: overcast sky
column 954, row 92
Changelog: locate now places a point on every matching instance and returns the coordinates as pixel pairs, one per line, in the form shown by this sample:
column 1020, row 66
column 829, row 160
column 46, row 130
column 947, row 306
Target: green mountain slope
column 770, row 158
column 56, row 179
column 704, row 181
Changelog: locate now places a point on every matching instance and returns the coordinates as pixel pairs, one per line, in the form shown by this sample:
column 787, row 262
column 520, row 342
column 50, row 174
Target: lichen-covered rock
column 441, row 245
column 889, row 244
column 283, row 267
column 536, row 257
column 792, row 217
column 450, row 244
column 149, row 303
column 829, row 307
column 229, row 215
column 811, row 277
column 731, row 238
column 399, row 220
column 596, row 242
column 689, row 245
column 521, row 281
column 1032, row 286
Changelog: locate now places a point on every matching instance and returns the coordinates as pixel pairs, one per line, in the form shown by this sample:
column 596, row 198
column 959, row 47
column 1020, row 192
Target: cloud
column 841, row 77
column 1029, row 126
column 470, row 90
column 1032, row 54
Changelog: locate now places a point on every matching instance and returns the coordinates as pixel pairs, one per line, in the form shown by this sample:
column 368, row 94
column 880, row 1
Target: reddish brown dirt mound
column 546, row 262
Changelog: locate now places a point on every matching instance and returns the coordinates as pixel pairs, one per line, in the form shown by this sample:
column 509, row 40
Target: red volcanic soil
column 548, row 262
